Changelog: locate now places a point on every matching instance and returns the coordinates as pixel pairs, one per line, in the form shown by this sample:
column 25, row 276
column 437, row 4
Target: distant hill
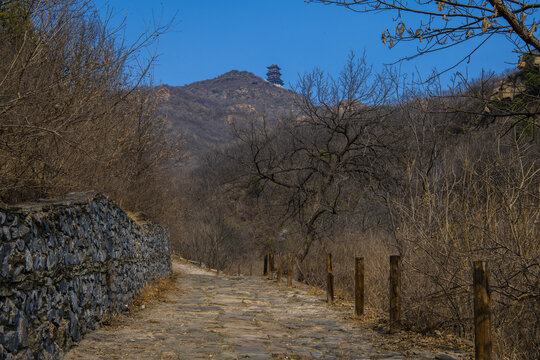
column 202, row 111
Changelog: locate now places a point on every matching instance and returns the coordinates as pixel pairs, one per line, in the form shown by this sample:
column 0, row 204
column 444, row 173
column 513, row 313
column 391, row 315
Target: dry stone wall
column 68, row 264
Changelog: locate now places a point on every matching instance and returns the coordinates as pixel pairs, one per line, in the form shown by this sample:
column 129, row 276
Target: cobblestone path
column 210, row 317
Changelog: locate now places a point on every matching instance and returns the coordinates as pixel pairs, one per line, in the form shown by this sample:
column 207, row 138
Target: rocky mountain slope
column 203, row 111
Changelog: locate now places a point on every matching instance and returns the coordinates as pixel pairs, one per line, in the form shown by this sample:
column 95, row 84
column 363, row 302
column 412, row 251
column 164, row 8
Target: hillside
column 203, row 111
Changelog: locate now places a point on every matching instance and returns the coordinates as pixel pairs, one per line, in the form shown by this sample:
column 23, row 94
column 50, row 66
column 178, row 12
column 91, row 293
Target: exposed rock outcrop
column 203, row 111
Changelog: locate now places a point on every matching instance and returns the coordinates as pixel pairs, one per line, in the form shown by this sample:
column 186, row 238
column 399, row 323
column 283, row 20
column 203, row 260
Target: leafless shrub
column 74, row 109
column 480, row 201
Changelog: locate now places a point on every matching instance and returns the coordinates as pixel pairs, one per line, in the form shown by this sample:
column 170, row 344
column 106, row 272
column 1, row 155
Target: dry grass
column 374, row 248
column 156, row 292
column 138, row 218
column 478, row 204
column 481, row 205
column 375, row 327
column 152, row 294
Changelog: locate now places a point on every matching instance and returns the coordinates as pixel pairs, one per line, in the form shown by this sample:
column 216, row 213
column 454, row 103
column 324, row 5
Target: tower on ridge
column 273, row 75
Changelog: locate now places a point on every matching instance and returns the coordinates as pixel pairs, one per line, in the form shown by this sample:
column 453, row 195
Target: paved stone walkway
column 212, row 317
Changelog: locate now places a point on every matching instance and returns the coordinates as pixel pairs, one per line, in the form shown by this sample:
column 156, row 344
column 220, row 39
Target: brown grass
column 156, row 292
column 151, row 294
column 375, row 326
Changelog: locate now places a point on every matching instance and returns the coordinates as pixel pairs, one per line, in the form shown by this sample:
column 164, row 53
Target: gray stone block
column 74, row 331
column 23, row 230
column 10, row 341
column 7, row 270
column 18, row 275
column 51, row 260
column 39, row 263
column 20, row 245
column 28, row 263
column 6, row 233
column 22, row 331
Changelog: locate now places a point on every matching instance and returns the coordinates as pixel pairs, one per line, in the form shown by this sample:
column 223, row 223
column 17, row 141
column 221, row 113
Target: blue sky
column 212, row 37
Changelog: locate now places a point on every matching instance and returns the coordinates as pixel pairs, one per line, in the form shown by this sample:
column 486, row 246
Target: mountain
column 203, row 111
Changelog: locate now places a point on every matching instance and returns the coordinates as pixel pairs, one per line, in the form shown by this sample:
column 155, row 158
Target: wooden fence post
column 482, row 312
column 279, row 268
column 265, row 268
column 271, row 266
column 329, row 280
column 289, row 270
column 359, row 286
column 238, row 269
column 395, row 293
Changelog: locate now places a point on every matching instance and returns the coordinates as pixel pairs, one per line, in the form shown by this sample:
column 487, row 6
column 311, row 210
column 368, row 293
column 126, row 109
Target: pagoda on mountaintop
column 273, row 75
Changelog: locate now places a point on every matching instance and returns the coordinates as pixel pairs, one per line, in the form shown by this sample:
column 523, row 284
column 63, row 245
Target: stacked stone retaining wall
column 68, row 264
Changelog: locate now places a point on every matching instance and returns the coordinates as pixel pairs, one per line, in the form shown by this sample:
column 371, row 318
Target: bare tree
column 311, row 161
column 76, row 110
column 438, row 25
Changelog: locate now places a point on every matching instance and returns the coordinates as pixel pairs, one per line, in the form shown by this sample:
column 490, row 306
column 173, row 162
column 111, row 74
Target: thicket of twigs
column 76, row 108
column 480, row 202
column 365, row 168
column 370, row 169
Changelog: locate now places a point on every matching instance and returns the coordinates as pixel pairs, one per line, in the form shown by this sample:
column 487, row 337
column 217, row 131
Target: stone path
column 210, row 317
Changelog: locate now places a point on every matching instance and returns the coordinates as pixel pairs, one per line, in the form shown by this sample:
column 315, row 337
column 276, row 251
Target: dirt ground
column 195, row 314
